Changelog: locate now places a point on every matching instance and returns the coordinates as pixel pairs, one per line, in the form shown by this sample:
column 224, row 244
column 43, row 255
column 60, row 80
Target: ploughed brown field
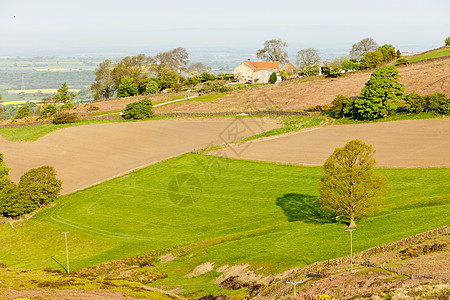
column 90, row 154
column 409, row 144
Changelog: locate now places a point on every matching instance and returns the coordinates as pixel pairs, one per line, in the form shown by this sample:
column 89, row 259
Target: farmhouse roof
column 262, row 65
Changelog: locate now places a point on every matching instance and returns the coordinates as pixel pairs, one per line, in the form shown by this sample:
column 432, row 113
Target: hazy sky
column 49, row 27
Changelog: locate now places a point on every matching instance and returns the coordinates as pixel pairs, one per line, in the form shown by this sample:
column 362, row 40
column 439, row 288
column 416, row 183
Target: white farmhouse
column 256, row 71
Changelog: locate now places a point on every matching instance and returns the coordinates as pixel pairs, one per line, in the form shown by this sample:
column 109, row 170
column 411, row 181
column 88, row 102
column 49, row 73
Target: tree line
column 143, row 74
column 365, row 54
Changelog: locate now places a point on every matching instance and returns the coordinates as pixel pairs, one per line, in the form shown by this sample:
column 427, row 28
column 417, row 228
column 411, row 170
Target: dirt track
column 412, row 143
column 86, row 155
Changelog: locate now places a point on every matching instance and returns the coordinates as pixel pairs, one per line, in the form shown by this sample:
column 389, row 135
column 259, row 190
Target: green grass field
column 229, row 212
column 430, row 54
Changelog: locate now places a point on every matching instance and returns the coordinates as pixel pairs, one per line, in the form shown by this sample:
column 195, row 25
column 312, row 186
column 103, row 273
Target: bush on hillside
column 49, row 110
column 151, row 88
column 415, row 103
column 24, row 111
column 438, row 102
column 212, row 86
column 127, row 88
column 139, row 110
column 447, row 41
column 342, row 106
column 63, row 117
column 311, row 70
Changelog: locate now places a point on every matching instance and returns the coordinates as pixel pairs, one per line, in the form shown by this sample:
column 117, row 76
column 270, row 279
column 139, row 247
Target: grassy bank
column 227, row 211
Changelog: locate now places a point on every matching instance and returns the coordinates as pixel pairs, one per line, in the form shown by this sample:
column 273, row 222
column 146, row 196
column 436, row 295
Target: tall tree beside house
column 274, row 50
column 307, row 57
column 350, row 186
column 362, row 47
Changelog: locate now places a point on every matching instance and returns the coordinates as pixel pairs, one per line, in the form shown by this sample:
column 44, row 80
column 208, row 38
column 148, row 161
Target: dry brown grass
column 424, row 78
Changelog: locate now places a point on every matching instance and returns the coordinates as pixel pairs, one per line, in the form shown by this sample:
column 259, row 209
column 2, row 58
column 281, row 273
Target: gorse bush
column 212, row 86
column 49, row 110
column 63, row 117
column 139, row 110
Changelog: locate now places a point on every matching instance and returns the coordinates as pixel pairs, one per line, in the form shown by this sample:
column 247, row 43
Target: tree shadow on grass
column 306, row 208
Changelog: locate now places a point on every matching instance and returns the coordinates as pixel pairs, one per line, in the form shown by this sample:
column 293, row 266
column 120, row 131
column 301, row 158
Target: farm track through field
column 90, row 154
column 405, row 144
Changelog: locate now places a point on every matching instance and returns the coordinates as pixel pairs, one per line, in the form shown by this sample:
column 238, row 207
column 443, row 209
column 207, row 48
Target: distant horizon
column 31, row 28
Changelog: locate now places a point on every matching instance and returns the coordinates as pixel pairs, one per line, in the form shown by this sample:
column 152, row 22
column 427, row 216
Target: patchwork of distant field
column 229, row 211
column 43, row 73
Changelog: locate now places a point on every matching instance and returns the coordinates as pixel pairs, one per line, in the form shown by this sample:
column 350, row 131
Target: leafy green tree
column 48, row 110
column 311, row 70
column 24, row 111
column 447, row 41
column 438, row 102
column 152, row 87
column 350, row 65
column 273, row 78
column 377, row 97
column 415, row 103
column 168, row 79
column 342, row 106
column 63, row 95
column 350, row 186
column 139, row 110
column 205, row 76
column 127, row 88
column 274, row 50
column 12, row 204
column 388, row 52
column 134, row 67
column 372, row 59
column 40, row 185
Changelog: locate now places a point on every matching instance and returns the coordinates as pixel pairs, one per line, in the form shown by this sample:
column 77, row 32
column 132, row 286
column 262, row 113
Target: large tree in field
column 104, row 85
column 362, row 47
column 274, row 50
column 378, row 96
column 134, row 67
column 307, row 57
column 350, row 186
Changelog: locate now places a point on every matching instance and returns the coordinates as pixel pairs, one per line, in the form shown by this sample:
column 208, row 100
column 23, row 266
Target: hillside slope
column 424, row 78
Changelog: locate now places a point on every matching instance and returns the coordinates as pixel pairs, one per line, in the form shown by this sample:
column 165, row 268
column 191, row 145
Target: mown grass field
column 430, row 54
column 229, row 212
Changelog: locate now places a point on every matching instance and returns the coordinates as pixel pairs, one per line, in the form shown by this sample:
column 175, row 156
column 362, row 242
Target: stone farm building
column 256, row 71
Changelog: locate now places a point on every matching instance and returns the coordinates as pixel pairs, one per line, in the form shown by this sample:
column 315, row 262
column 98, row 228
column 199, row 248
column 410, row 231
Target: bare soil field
column 90, row 154
column 409, row 144
column 424, row 78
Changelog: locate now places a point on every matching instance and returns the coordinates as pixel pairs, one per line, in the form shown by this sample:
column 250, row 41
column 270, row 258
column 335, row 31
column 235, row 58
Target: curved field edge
column 228, row 211
column 33, row 133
